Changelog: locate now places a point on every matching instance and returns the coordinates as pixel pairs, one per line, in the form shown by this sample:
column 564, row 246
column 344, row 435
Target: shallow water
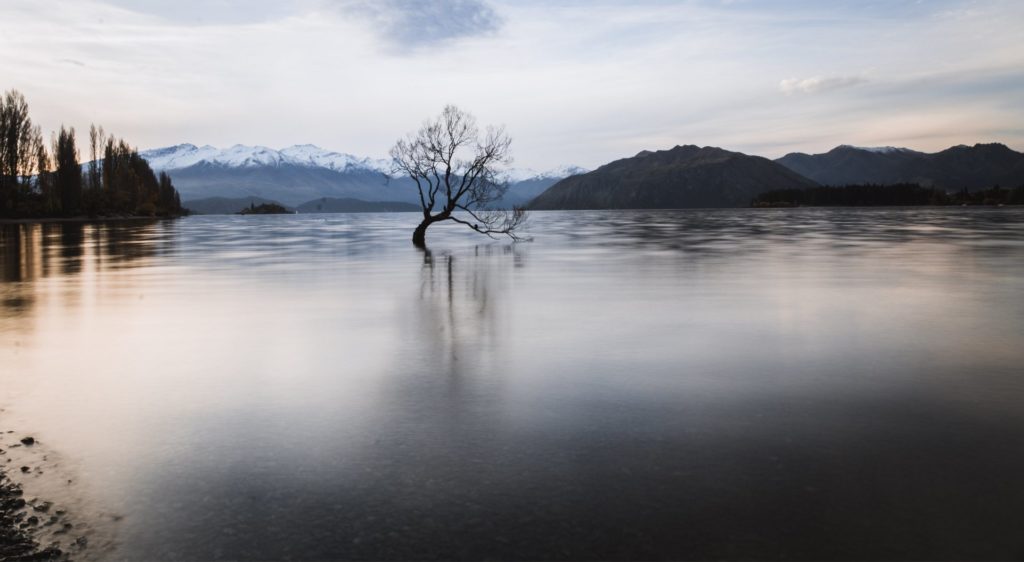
column 788, row 383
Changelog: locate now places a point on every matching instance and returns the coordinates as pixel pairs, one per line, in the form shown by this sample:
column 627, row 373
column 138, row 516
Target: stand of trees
column 873, row 195
column 36, row 182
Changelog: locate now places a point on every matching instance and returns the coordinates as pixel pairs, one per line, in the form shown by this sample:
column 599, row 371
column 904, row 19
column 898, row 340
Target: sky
column 573, row 82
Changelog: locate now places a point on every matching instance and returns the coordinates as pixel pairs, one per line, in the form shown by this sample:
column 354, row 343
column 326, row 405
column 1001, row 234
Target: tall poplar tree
column 69, row 172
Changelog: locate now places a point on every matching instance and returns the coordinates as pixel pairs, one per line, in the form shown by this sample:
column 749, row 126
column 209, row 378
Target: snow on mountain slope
column 185, row 155
column 178, row 156
column 515, row 175
column 880, row 149
column 241, row 156
column 312, row 155
column 564, row 171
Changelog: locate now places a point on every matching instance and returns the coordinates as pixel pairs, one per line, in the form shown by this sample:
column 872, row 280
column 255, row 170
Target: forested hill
column 682, row 177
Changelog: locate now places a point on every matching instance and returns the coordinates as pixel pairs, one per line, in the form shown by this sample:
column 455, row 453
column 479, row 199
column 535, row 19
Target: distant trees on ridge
column 871, row 195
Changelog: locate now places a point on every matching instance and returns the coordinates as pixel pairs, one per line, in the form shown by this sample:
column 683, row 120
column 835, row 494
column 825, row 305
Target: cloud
column 411, row 24
column 819, row 84
column 574, row 82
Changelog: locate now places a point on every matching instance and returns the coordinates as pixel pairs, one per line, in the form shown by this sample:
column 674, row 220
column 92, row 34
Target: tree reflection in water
column 35, row 251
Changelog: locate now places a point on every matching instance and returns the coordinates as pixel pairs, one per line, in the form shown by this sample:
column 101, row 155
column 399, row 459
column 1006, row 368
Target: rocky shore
column 24, row 521
column 16, row 538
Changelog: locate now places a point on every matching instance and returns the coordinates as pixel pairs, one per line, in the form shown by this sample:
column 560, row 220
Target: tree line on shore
column 871, row 195
column 39, row 181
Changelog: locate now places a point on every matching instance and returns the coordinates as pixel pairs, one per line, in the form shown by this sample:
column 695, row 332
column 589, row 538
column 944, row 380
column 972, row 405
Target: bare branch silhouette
column 454, row 168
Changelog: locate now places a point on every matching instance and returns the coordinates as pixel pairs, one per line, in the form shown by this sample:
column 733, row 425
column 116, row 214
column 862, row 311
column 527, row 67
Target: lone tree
column 455, row 170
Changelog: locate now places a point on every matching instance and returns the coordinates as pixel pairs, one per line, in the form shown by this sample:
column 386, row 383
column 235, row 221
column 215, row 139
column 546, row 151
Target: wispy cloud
column 212, row 12
column 412, row 24
column 574, row 82
column 819, row 84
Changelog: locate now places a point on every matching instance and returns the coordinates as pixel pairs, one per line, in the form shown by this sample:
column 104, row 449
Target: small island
column 265, row 209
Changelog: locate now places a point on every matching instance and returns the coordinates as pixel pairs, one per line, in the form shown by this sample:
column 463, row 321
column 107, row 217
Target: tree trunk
column 419, row 236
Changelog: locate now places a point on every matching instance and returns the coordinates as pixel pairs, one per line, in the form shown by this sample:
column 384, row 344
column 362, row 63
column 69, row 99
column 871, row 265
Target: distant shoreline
column 787, row 205
column 83, row 219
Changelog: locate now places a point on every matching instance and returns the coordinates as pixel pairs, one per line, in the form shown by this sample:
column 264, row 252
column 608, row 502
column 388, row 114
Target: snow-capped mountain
column 313, row 155
column 241, row 156
column 301, row 173
column 880, row 149
column 515, row 175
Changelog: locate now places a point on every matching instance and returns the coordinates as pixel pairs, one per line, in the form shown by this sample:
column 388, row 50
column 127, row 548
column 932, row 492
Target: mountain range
column 311, row 179
column 972, row 167
column 302, row 174
column 692, row 176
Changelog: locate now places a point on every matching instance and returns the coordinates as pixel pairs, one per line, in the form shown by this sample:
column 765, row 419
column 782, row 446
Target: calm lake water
column 780, row 384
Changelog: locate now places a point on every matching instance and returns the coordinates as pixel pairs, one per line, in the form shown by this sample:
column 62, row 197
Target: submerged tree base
column 419, row 236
